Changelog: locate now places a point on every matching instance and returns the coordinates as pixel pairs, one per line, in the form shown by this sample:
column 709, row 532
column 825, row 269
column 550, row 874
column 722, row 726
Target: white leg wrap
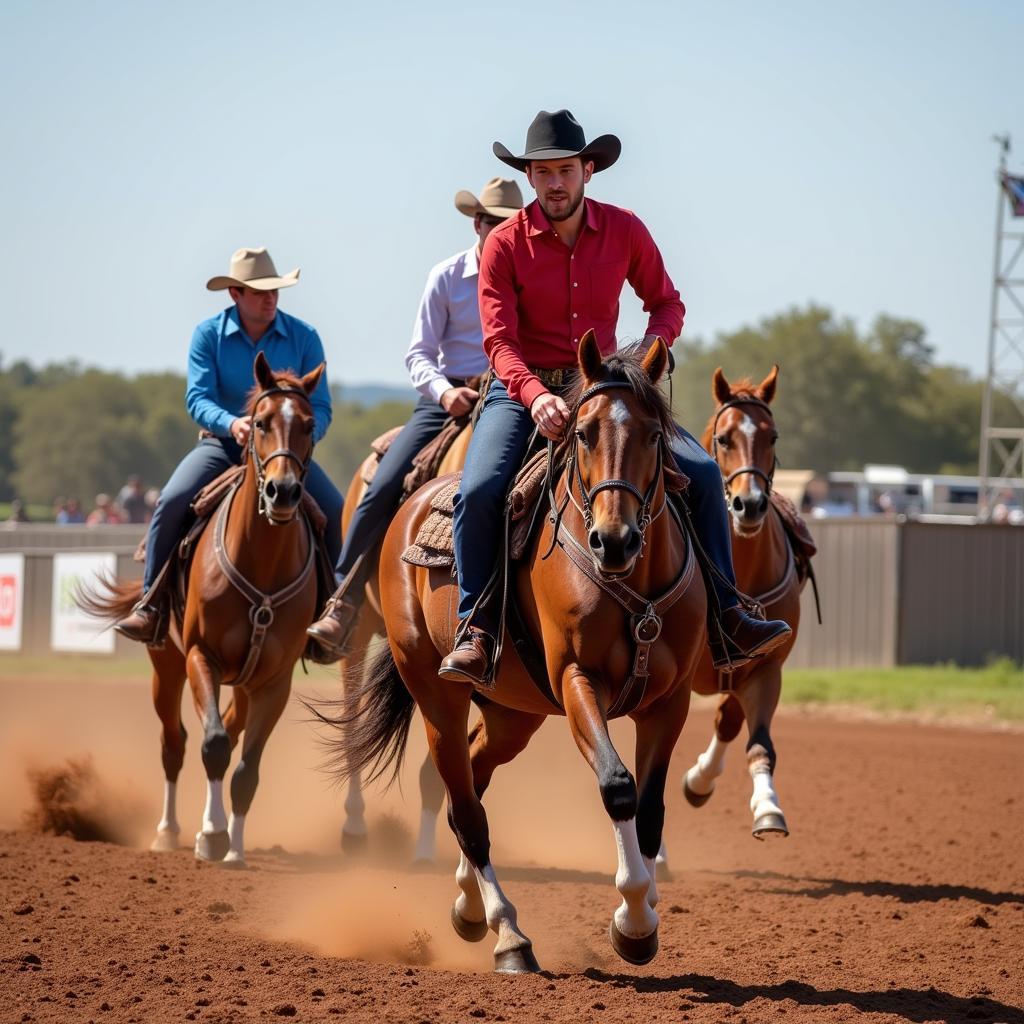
column 236, row 831
column 426, row 845
column 469, row 902
column 215, row 818
column 169, row 818
column 764, row 800
column 635, row 917
column 355, row 809
column 652, row 889
column 701, row 777
column 501, row 914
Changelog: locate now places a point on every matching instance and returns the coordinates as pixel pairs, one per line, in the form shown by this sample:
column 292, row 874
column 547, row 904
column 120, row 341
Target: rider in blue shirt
column 220, row 378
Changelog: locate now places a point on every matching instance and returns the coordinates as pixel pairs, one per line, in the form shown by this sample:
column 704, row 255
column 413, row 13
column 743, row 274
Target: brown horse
column 609, row 648
column 369, row 627
column 741, row 436
column 251, row 594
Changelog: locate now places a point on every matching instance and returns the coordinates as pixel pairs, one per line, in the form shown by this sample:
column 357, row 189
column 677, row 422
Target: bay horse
column 252, row 592
column 741, row 436
column 609, row 648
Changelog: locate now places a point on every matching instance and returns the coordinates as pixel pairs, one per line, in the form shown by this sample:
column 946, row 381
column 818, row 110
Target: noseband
column 280, row 453
column 586, row 501
column 769, row 477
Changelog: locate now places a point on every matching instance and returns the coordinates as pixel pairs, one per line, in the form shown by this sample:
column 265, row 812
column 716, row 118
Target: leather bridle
column 260, row 465
column 768, row 477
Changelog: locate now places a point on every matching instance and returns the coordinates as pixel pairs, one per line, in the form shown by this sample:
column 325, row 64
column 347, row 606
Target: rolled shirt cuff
column 437, row 387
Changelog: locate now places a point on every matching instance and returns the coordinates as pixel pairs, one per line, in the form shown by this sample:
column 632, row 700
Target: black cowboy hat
column 558, row 135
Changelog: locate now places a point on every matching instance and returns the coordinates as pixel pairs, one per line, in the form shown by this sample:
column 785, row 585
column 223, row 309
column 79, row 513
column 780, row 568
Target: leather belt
column 557, row 378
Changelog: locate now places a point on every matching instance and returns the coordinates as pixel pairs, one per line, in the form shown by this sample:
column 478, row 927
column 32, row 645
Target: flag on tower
column 1015, row 193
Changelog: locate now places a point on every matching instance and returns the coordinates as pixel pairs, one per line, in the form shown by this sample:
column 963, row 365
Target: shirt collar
column 470, row 265
column 538, row 223
column 232, row 325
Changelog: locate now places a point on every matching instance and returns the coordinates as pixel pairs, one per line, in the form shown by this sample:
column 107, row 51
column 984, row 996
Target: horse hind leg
column 168, row 684
column 431, row 801
column 699, row 781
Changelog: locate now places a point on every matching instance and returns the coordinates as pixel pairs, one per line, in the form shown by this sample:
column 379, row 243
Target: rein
column 769, row 477
column 260, row 466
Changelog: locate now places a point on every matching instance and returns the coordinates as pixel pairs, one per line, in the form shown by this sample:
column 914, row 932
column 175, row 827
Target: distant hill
column 370, row 395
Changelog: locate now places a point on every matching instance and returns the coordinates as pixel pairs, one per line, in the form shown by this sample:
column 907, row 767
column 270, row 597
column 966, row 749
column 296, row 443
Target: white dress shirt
column 447, row 340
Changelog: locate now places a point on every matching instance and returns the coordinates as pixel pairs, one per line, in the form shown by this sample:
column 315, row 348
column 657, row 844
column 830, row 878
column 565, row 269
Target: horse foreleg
column 657, row 730
column 481, row 902
column 354, row 831
column 266, row 706
column 235, row 715
column 431, row 800
column 759, row 695
column 699, row 781
column 168, row 684
column 634, row 925
column 212, row 841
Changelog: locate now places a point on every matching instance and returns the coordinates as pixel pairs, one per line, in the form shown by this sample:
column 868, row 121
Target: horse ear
column 591, row 363
column 656, row 361
column 310, row 381
column 766, row 389
column 720, row 389
column 262, row 372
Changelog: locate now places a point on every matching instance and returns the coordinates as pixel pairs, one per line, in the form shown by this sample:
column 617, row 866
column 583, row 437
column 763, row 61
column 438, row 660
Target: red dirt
column 899, row 895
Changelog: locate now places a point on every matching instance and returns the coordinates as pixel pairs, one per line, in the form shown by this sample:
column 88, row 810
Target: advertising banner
column 12, row 601
column 70, row 628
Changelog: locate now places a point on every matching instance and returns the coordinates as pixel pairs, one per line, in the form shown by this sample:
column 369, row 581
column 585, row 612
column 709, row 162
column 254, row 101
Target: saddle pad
column 433, row 547
column 804, row 548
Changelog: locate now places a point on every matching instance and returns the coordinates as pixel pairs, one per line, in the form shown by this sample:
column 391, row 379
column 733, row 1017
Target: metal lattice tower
column 1001, row 456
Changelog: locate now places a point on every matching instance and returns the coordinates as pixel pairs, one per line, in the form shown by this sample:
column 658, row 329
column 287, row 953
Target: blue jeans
column 211, row 457
column 377, row 505
column 495, row 454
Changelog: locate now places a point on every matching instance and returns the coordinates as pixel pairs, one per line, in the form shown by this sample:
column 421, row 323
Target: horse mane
column 283, row 378
column 626, row 367
column 743, row 388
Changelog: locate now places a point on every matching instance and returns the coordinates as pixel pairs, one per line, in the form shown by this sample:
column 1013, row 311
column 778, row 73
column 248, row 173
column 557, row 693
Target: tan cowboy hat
column 500, row 197
column 253, row 268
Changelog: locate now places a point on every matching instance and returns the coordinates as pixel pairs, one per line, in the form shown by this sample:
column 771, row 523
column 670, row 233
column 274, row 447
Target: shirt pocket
column 606, row 281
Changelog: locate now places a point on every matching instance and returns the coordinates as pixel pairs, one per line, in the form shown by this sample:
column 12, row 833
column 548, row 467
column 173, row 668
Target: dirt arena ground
column 898, row 897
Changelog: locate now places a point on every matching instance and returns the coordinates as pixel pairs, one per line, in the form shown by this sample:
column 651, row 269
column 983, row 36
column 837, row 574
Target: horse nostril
column 737, row 504
column 762, row 505
column 633, row 542
column 296, row 493
column 595, row 541
column 271, row 489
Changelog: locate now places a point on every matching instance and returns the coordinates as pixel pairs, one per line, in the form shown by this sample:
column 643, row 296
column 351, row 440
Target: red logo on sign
column 8, row 594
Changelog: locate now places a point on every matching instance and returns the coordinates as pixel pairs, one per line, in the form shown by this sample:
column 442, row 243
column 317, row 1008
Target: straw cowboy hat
column 558, row 135
column 500, row 197
column 253, row 268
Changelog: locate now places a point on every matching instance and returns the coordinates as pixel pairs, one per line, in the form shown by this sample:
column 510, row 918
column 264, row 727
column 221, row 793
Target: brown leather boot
column 142, row 624
column 332, row 630
column 746, row 638
column 470, row 662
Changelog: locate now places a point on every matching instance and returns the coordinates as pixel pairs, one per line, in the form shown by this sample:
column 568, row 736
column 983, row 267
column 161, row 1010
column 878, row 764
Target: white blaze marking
column 287, row 413
column 748, row 426
column 619, row 411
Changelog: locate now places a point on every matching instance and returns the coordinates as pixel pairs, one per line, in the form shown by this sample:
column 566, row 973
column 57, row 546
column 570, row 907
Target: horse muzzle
column 748, row 512
column 615, row 549
column 281, row 498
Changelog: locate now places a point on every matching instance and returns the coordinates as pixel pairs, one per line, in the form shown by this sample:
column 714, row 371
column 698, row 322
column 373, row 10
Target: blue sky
column 779, row 153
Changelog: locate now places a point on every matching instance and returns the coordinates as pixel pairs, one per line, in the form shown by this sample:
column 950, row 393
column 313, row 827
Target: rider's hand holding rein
column 551, row 415
column 240, row 428
column 459, row 401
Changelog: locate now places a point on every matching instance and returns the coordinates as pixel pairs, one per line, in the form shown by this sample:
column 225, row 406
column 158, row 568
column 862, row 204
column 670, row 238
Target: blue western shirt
column 220, row 375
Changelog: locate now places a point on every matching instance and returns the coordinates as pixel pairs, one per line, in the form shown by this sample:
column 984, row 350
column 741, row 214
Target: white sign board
column 70, row 628
column 12, row 601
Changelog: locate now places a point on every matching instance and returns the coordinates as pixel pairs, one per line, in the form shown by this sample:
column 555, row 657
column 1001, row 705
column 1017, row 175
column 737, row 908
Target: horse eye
column 655, row 438
column 722, row 440
column 582, row 438
column 774, row 439
column 261, row 426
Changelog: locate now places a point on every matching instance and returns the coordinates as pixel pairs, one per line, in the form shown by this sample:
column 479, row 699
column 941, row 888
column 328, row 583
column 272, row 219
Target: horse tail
column 109, row 599
column 372, row 724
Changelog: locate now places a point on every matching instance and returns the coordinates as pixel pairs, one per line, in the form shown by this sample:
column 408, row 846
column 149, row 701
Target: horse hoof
column 212, row 846
column 354, row 844
column 694, row 799
column 165, row 841
column 234, row 861
column 770, row 826
column 662, row 872
column 517, row 961
column 470, row 931
column 633, row 951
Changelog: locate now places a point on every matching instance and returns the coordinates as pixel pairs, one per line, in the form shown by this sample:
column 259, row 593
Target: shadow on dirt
column 903, row 891
column 907, row 1004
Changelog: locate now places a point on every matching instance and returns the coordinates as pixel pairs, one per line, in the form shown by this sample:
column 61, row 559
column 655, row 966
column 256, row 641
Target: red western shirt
column 538, row 297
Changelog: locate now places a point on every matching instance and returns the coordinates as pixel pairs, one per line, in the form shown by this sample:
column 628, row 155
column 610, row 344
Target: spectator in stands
column 71, row 513
column 18, row 513
column 132, row 501
column 105, row 512
column 152, row 497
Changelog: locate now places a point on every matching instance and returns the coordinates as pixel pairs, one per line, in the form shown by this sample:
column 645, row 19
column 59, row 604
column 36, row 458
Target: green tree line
column 845, row 398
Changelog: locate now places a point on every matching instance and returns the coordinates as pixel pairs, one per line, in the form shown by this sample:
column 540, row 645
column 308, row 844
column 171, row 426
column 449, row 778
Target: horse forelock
column 282, row 378
column 743, row 388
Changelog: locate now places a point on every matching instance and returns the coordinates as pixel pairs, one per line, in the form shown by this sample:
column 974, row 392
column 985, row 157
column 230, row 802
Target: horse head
column 616, row 450
column 281, row 439
column 741, row 437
